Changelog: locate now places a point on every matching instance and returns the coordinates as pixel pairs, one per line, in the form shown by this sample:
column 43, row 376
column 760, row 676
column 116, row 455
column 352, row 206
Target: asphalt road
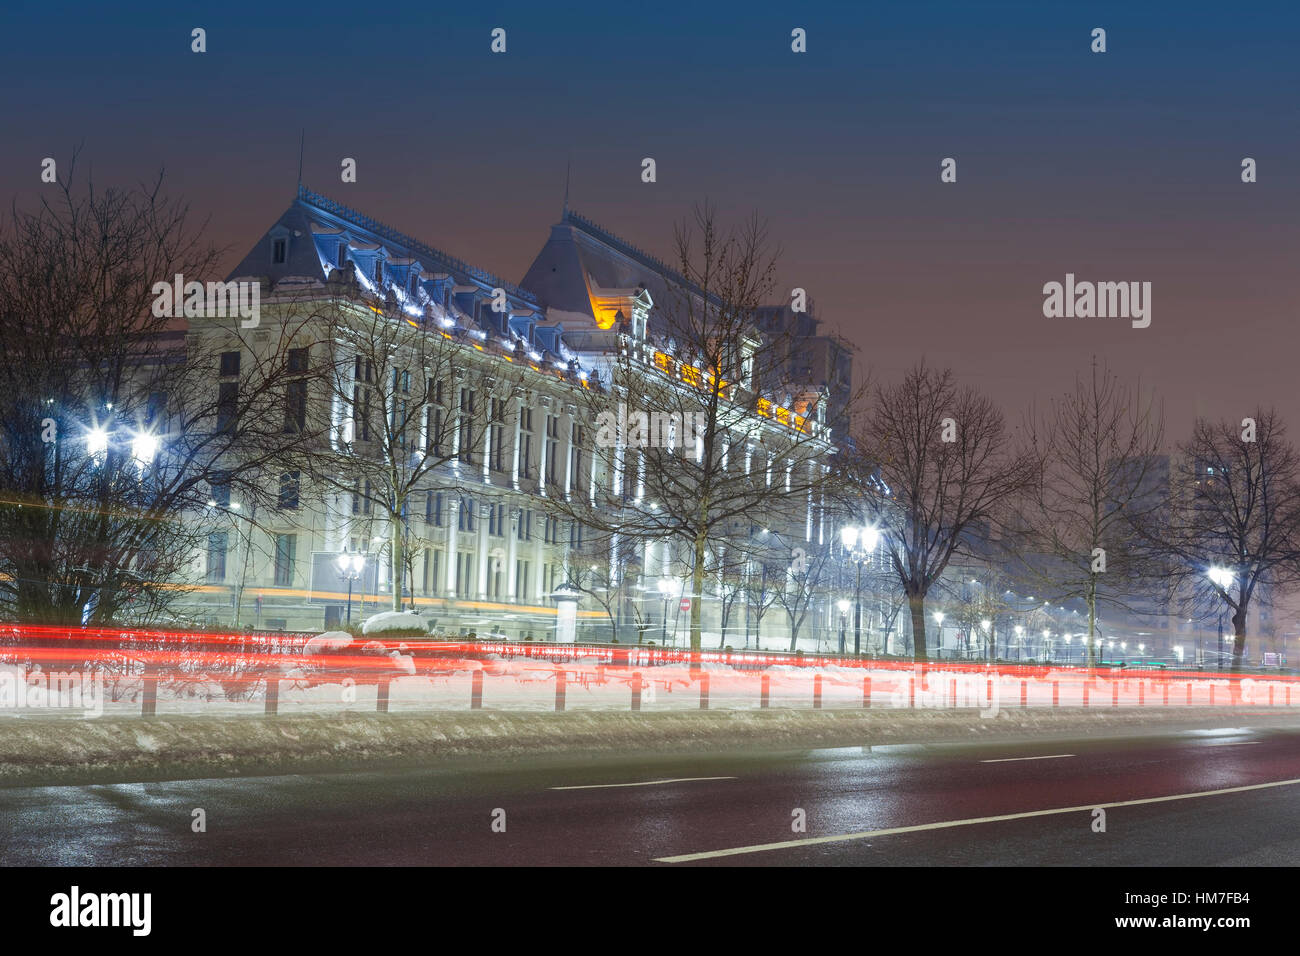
column 679, row 812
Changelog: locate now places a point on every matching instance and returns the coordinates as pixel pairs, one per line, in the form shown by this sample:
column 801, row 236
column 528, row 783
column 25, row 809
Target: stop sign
column 686, row 604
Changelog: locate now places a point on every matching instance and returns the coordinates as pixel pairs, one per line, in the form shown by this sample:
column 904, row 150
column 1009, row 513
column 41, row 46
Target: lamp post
column 1222, row 579
column 665, row 586
column 844, row 612
column 938, row 648
column 351, row 564
column 859, row 542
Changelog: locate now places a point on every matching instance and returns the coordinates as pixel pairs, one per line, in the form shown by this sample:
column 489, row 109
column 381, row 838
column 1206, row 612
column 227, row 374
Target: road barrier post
column 765, row 690
column 866, row 692
column 561, row 677
column 1056, row 693
column 911, row 692
column 704, row 690
column 1166, row 683
column 1085, row 692
column 1114, row 694
column 272, row 695
column 1189, row 693
column 149, row 698
column 1142, row 693
column 952, row 689
column 476, row 691
column 817, row 692
column 1024, row 694
column 636, row 691
column 381, row 696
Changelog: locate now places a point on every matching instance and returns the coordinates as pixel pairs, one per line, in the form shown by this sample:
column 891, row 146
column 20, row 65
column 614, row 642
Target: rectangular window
column 285, row 547
column 525, row 530
column 525, row 443
column 497, row 520
column 521, row 579
column 295, row 408
column 220, row 485
column 465, row 566
column 466, row 426
column 552, row 448
column 278, row 248
column 342, row 256
column 497, row 441
column 217, row 557
column 230, row 364
column 298, row 360
column 289, row 491
column 465, row 515
column 227, row 406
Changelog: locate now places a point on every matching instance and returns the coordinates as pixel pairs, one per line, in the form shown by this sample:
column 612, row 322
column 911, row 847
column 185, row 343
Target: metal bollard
column 1024, row 694
column 381, row 697
column 272, row 695
column 817, row 692
column 636, row 691
column 1189, row 693
column 1056, row 693
column 1114, row 694
column 765, row 689
column 866, row 692
column 704, row 690
column 1142, row 693
column 952, row 693
column 149, row 699
column 561, row 677
column 1085, row 692
column 476, row 691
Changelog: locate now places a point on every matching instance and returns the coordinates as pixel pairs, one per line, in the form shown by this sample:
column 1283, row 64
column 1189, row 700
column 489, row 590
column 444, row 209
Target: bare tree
column 111, row 437
column 1102, row 478
column 689, row 433
column 941, row 469
column 1233, row 523
column 423, row 414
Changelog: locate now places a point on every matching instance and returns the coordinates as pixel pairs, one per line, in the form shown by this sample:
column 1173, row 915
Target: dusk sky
column 1122, row 166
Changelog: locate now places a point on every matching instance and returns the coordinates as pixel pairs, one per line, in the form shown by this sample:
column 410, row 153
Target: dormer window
column 278, row 249
column 343, row 254
column 379, row 272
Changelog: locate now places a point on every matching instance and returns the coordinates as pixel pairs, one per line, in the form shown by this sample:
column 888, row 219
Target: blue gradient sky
column 1118, row 166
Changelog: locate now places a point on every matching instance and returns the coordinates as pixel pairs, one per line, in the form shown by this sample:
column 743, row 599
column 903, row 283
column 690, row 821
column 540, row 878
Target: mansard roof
column 583, row 270
column 318, row 239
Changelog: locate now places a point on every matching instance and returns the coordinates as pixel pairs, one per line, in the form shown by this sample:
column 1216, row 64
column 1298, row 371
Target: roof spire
column 302, row 138
column 567, row 167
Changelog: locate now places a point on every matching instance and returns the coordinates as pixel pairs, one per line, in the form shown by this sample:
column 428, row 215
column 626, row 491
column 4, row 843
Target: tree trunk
column 916, row 602
column 397, row 558
column 1092, row 624
column 697, row 592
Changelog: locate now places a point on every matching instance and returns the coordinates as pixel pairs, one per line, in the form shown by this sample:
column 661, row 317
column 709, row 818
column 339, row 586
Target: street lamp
column 351, row 564
column 859, row 542
column 1020, row 630
column 986, row 626
column 843, row 606
column 1222, row 578
column 938, row 620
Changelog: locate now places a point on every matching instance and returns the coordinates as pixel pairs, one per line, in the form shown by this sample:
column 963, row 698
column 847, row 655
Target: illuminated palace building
column 453, row 415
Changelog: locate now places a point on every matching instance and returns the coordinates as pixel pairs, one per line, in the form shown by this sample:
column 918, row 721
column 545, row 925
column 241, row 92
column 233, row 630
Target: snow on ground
column 394, row 621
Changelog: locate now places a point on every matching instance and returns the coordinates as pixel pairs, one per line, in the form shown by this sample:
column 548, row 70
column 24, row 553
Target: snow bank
column 394, row 621
column 331, row 642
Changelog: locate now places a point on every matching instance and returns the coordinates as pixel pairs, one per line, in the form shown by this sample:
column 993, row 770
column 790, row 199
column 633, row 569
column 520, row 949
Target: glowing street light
column 859, row 542
column 351, row 564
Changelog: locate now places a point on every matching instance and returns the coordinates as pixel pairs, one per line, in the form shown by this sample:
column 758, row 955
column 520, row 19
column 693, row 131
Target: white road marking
column 1010, row 759
column 643, row 783
column 947, row 824
column 1238, row 743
